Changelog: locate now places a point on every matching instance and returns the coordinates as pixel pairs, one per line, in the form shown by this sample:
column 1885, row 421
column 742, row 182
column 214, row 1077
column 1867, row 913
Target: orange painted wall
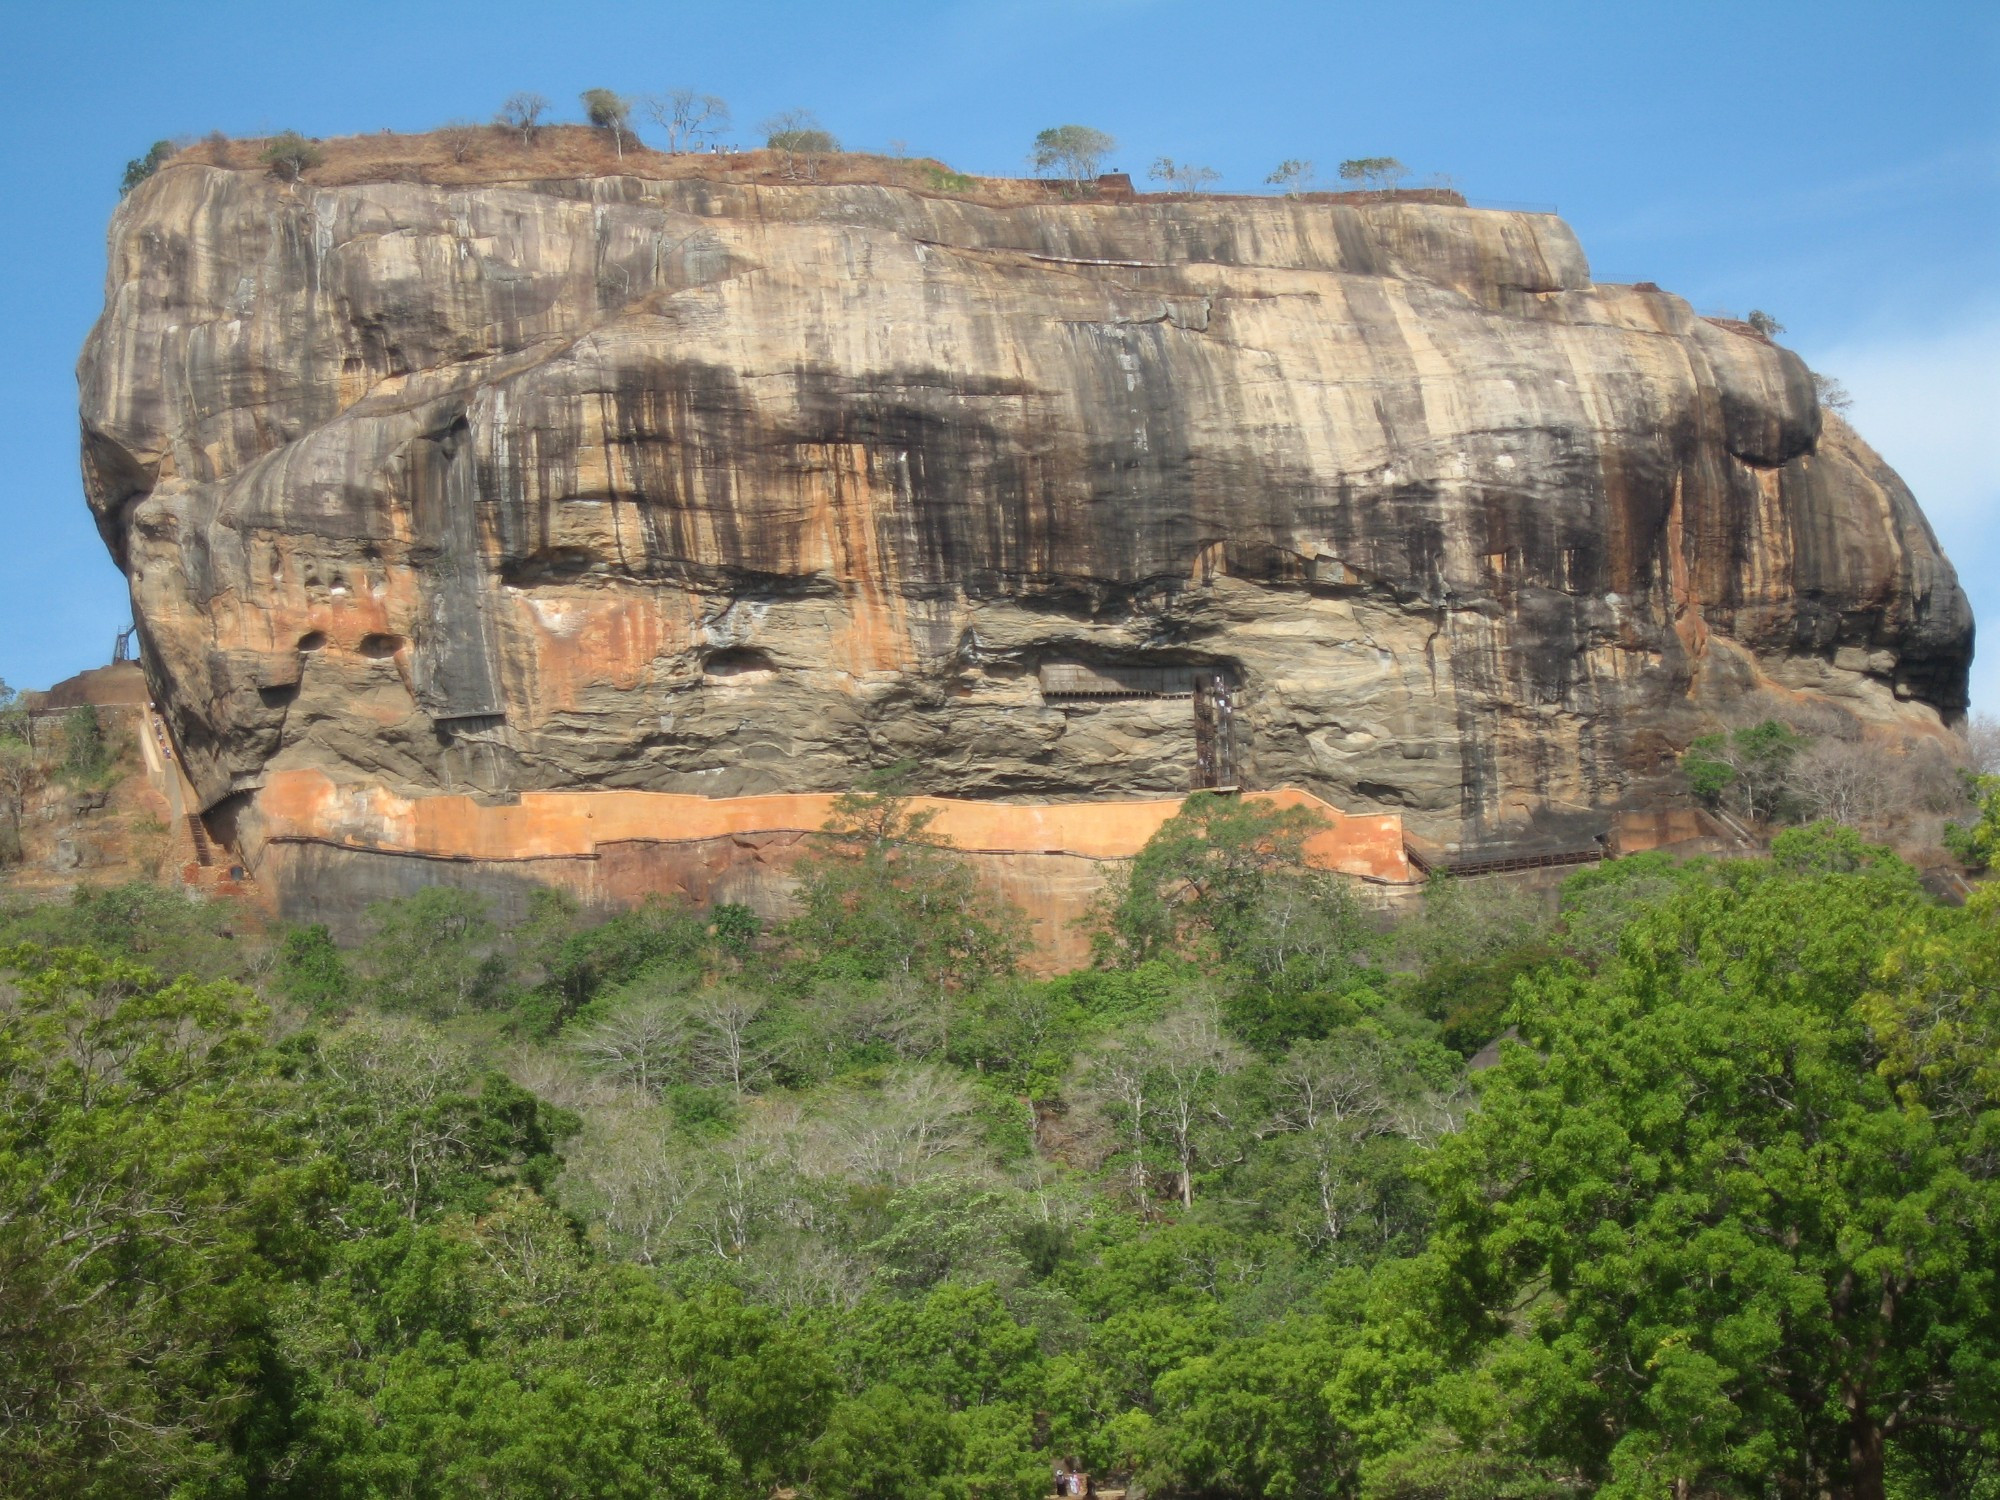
column 308, row 804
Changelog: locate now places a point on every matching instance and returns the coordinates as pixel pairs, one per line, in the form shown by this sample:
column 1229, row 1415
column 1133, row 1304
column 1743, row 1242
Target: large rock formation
column 725, row 488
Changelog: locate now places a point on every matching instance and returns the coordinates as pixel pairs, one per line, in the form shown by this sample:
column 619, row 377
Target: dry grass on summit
column 493, row 154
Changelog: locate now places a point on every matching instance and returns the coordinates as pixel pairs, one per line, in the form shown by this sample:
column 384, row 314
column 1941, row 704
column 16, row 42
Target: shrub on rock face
column 140, row 168
column 291, row 155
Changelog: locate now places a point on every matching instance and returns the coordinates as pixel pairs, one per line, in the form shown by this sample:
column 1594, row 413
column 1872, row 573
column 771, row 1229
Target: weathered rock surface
column 702, row 487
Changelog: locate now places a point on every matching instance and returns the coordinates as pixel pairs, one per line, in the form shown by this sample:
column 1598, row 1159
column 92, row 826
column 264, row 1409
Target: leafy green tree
column 290, row 155
column 440, row 1422
column 310, row 970
column 168, row 929
column 582, row 963
column 140, row 168
column 736, row 927
column 1470, row 998
column 1600, row 901
column 1976, row 843
column 1161, row 1298
column 1746, row 770
column 882, row 896
column 997, row 1457
column 151, row 1196
column 489, row 1356
column 87, row 756
column 948, row 1226
column 1074, row 152
column 1024, row 1031
column 1376, row 172
column 958, row 1343
column 1935, row 1011
column 611, row 112
column 435, row 953
column 1249, row 1421
column 1764, row 323
column 1693, row 1236
column 1204, row 884
column 419, row 1124
column 885, row 1444
column 765, row 1385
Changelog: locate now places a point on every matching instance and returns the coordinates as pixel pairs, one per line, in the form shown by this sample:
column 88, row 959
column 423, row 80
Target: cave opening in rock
column 738, row 661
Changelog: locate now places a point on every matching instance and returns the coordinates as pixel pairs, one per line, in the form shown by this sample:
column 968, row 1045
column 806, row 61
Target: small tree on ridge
column 522, row 113
column 1074, row 152
column 800, row 141
column 1183, row 177
column 688, row 118
column 1293, row 175
column 1373, row 172
column 140, row 168
column 291, row 155
column 609, row 111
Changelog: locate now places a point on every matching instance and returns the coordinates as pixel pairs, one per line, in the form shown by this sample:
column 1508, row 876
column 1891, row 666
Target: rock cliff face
column 707, row 487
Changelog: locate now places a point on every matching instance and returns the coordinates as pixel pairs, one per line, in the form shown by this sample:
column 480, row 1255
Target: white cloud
column 1930, row 405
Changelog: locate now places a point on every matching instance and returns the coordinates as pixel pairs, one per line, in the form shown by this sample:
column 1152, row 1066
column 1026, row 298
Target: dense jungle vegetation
column 675, row 1204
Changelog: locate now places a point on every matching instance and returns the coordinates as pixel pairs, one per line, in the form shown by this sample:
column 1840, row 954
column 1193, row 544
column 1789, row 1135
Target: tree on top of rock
column 522, row 113
column 609, row 111
column 688, row 118
column 1074, row 152
column 800, row 141
column 290, row 155
column 140, row 168
column 1373, row 172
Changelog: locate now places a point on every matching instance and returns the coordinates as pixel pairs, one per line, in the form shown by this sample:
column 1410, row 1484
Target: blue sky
column 1836, row 164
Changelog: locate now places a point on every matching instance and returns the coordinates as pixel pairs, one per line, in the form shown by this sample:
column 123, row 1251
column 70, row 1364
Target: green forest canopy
column 670, row 1204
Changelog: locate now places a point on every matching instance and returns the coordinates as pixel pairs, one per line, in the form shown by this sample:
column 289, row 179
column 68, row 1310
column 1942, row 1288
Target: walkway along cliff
column 461, row 517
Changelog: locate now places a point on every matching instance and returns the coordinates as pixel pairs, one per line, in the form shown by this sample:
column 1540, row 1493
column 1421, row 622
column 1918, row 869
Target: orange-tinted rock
column 328, row 847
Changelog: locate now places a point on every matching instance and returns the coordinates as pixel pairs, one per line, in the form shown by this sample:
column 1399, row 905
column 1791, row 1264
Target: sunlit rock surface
column 695, row 487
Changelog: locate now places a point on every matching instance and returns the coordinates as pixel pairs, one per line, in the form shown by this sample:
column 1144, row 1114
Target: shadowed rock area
column 726, row 488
